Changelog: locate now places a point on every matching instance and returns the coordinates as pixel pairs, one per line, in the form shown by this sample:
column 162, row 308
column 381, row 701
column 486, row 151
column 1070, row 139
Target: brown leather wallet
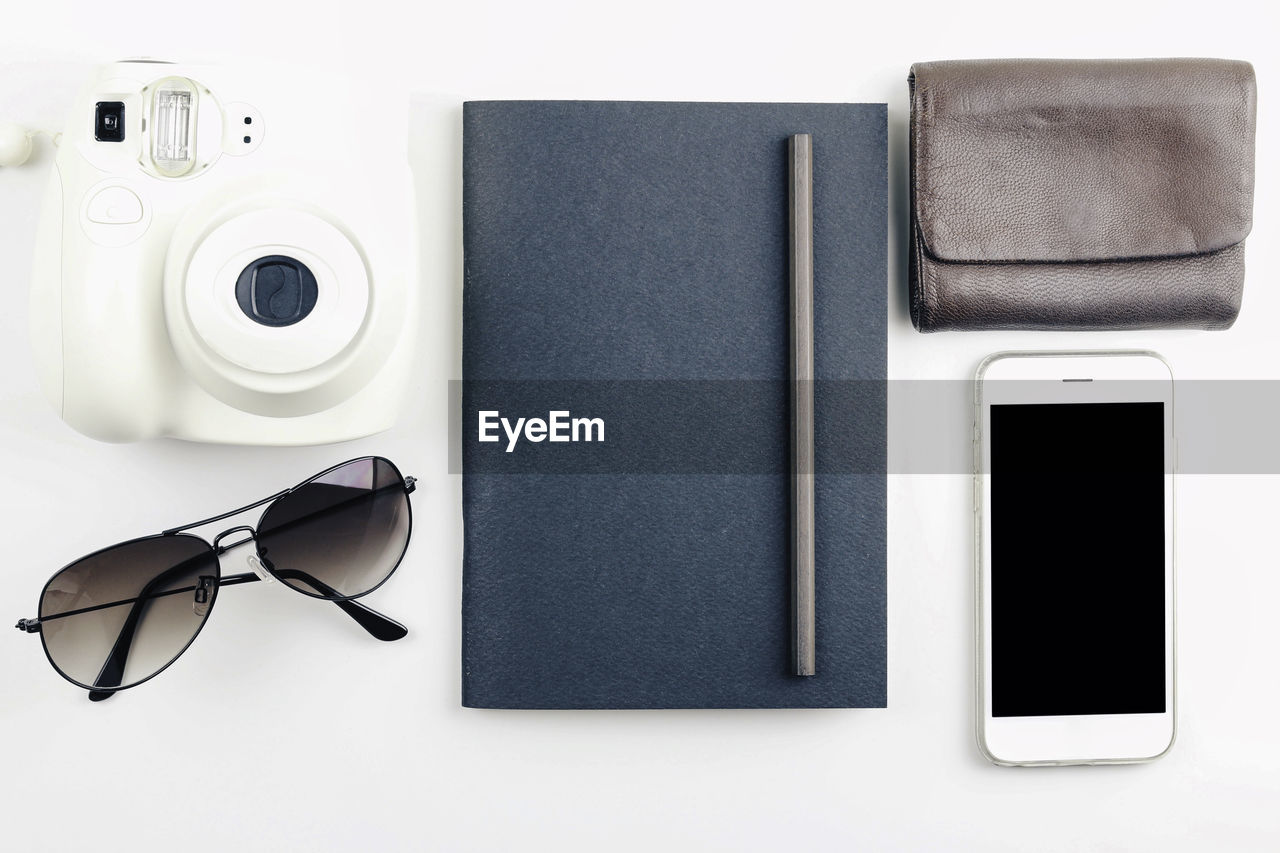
column 1080, row 194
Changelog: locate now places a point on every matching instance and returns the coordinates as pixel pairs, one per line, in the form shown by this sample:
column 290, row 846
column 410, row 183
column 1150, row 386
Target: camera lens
column 276, row 291
column 108, row 122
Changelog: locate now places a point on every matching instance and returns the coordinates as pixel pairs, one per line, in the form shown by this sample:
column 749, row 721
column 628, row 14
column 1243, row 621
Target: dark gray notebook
column 627, row 262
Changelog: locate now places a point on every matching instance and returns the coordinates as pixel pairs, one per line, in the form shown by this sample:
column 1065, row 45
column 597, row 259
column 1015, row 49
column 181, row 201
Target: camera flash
column 173, row 115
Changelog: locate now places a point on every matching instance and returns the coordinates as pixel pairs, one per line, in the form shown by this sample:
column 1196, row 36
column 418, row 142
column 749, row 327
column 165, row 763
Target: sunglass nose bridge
column 244, row 528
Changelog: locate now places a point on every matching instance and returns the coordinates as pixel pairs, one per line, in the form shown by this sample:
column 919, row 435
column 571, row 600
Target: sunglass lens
column 340, row 534
column 119, row 616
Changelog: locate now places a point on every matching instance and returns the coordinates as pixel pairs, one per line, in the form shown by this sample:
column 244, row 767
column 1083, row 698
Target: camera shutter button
column 114, row 206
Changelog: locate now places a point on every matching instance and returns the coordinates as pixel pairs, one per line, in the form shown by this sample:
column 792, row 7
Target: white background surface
column 285, row 727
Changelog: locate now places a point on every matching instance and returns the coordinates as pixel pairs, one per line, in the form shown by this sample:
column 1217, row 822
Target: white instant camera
column 227, row 256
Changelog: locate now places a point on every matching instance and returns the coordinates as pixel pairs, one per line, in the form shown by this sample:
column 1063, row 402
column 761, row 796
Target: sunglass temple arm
column 112, row 673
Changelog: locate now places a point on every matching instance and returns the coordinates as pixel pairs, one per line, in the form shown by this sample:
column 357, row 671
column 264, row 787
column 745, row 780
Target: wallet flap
column 1081, row 160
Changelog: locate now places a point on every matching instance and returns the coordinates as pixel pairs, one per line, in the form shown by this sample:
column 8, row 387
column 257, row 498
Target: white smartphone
column 1074, row 462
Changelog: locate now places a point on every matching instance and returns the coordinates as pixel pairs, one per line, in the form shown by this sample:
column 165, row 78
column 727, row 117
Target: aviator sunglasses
column 122, row 615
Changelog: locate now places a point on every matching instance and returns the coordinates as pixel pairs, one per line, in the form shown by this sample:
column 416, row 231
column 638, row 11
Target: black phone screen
column 1077, row 559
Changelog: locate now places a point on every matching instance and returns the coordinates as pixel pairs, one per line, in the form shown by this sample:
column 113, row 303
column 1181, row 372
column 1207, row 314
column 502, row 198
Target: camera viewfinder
column 108, row 121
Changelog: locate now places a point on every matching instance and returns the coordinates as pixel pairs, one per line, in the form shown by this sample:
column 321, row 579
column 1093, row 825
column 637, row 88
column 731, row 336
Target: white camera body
column 227, row 255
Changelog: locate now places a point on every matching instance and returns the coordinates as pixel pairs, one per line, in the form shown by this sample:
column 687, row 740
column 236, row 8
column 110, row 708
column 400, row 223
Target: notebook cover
column 630, row 260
